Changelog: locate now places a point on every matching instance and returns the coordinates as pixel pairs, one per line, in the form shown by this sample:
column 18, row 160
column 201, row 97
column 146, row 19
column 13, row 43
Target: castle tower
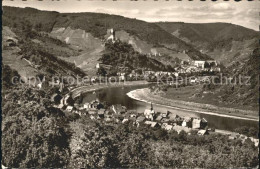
column 111, row 33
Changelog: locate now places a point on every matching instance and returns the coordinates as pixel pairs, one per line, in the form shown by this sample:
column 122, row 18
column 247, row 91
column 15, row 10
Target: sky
column 244, row 13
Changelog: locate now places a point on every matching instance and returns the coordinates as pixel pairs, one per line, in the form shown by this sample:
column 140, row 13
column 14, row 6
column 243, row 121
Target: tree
column 34, row 133
column 38, row 26
column 133, row 152
column 10, row 77
column 101, row 71
column 207, row 65
column 91, row 146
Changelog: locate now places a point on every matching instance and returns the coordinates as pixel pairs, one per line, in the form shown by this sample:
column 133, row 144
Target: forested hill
column 33, row 53
column 244, row 87
column 97, row 24
column 209, row 32
column 246, row 94
column 225, row 42
column 122, row 55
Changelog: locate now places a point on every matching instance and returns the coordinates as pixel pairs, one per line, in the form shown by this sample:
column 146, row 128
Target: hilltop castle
column 111, row 33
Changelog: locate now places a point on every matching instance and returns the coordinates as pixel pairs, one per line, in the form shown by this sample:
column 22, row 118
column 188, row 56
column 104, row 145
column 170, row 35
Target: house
column 205, row 79
column 243, row 138
column 96, row 104
column 106, row 67
column 92, row 117
column 119, row 117
column 87, row 105
column 212, row 62
column 83, row 112
column 131, row 112
column 204, row 123
column 196, row 123
column 155, row 125
column 187, row 122
column 116, row 120
column 172, row 116
column 148, row 122
column 233, row 136
column 164, row 120
column 125, row 120
column 61, row 106
column 255, row 141
column 167, row 126
column 118, row 109
column 165, row 114
column 140, row 119
column 202, row 132
column 97, row 66
column 100, row 106
column 81, row 108
column 61, row 87
column 108, row 119
column 176, row 74
column 76, row 105
column 92, row 112
column 199, row 123
column 181, row 128
column 101, row 113
column 159, row 118
column 40, row 85
column 56, row 98
column 109, row 114
column 193, row 80
column 215, row 69
column 164, row 125
column 149, row 114
column 199, row 63
column 77, row 112
column 133, row 117
column 69, row 108
column 68, row 100
column 179, row 121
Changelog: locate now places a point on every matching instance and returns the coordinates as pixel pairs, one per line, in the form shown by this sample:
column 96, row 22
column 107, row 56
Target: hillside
column 82, row 37
column 246, row 93
column 243, row 90
column 121, row 55
column 31, row 53
column 86, row 31
column 224, row 42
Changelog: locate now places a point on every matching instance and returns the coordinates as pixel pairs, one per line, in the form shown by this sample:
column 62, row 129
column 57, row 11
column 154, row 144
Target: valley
column 145, row 70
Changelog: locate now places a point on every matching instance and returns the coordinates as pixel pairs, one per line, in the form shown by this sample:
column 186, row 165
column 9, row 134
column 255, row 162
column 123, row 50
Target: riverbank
column 145, row 95
column 90, row 88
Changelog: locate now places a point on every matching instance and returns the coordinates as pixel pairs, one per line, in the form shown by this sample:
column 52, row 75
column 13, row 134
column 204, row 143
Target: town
column 115, row 114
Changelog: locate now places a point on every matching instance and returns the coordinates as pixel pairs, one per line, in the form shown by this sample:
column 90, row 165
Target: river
column 117, row 95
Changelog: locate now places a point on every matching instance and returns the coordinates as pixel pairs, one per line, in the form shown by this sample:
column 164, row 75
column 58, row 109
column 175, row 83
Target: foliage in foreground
column 34, row 134
column 99, row 145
